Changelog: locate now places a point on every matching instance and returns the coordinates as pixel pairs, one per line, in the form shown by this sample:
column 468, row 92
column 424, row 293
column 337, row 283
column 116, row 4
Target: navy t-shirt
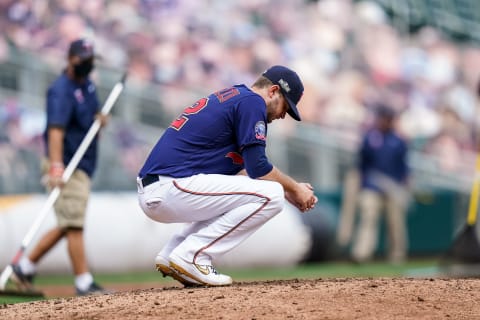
column 73, row 106
column 382, row 153
column 209, row 136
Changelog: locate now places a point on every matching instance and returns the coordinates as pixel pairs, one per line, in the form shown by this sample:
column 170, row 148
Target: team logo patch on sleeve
column 260, row 130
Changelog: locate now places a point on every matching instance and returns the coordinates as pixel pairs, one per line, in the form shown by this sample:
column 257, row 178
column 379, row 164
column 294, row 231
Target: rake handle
column 473, row 206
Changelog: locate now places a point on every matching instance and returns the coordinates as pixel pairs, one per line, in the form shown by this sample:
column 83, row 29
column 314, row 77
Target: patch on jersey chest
column 260, row 130
column 91, row 88
column 79, row 95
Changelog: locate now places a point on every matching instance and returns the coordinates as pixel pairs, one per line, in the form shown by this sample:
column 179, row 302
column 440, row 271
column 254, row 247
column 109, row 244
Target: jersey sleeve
column 93, row 89
column 251, row 122
column 256, row 162
column 59, row 108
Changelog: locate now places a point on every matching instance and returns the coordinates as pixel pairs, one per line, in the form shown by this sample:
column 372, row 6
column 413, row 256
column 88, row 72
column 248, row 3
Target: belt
column 149, row 179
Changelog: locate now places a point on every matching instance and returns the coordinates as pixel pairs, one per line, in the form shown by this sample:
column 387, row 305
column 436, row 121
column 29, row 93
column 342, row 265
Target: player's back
column 202, row 139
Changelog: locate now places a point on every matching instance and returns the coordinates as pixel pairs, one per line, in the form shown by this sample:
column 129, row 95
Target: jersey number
column 222, row 96
column 178, row 123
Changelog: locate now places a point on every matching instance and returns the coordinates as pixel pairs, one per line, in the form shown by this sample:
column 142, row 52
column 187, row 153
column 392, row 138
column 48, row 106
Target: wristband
column 56, row 169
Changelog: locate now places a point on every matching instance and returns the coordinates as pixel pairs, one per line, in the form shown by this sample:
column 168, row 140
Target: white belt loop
column 139, row 185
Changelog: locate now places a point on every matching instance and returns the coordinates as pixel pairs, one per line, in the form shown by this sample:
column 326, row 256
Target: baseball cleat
column 23, row 281
column 204, row 274
column 163, row 265
column 93, row 289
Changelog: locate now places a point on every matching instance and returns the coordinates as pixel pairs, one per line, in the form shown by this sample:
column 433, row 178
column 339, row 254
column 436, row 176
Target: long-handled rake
column 53, row 196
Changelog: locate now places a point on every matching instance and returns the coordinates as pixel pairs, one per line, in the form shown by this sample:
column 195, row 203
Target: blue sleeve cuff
column 255, row 161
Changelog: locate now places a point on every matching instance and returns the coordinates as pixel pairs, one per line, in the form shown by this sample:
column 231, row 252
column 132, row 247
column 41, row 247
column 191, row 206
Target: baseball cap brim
column 89, row 56
column 292, row 111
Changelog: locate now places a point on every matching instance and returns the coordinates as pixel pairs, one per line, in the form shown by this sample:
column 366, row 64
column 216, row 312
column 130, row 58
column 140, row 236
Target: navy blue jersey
column 73, row 106
column 384, row 153
column 210, row 135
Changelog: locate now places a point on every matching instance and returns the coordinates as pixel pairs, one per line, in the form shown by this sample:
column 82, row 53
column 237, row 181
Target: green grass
column 14, row 299
column 335, row 270
column 422, row 268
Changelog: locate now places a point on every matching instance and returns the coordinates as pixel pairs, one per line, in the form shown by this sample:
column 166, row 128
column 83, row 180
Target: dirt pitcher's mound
column 287, row 299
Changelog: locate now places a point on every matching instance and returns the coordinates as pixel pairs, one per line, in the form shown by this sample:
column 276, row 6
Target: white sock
column 83, row 281
column 27, row 266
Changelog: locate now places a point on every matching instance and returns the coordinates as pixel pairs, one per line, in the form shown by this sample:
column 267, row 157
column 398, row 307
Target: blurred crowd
column 348, row 53
column 22, row 148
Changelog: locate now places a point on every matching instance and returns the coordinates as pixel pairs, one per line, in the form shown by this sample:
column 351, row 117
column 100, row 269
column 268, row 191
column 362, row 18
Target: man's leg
column 223, row 233
column 234, row 206
column 25, row 270
column 71, row 210
column 162, row 261
column 179, row 237
column 84, row 282
column 348, row 207
column 76, row 250
column 367, row 234
column 244, row 206
column 45, row 244
column 397, row 231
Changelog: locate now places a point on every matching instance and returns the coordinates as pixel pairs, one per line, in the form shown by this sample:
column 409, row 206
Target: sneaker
column 163, row 265
column 93, row 289
column 204, row 274
column 22, row 279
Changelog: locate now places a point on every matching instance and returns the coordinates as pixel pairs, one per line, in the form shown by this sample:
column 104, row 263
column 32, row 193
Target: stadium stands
column 350, row 53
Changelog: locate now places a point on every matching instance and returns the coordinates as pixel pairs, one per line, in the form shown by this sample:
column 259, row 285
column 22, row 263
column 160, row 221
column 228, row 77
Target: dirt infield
column 346, row 298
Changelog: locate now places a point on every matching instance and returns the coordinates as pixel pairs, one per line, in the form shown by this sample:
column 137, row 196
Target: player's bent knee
column 276, row 197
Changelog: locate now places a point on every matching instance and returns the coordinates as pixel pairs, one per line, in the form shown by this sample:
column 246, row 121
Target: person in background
column 348, row 207
column 384, row 180
column 72, row 107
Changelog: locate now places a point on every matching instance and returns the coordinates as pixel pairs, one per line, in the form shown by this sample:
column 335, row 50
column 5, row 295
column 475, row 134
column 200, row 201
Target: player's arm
column 258, row 167
column 55, row 155
column 55, row 144
column 299, row 194
column 59, row 112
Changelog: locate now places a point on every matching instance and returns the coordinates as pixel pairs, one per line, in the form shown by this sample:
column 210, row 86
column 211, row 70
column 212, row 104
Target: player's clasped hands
column 304, row 198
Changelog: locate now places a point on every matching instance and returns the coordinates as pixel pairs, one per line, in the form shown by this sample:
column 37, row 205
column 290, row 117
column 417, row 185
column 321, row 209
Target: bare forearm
column 55, row 144
column 288, row 183
column 299, row 194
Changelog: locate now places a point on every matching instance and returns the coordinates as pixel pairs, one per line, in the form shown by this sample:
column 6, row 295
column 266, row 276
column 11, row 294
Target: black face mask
column 83, row 69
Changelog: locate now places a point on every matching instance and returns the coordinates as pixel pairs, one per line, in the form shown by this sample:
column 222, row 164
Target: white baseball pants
column 222, row 211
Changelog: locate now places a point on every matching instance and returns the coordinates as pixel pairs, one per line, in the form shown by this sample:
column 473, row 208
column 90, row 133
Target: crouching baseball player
column 209, row 169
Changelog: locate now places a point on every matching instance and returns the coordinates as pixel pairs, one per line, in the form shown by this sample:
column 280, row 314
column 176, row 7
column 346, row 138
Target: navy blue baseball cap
column 290, row 85
column 82, row 48
column 384, row 111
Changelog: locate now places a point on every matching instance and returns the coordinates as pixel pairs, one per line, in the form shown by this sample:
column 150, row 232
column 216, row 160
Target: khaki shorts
column 71, row 205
